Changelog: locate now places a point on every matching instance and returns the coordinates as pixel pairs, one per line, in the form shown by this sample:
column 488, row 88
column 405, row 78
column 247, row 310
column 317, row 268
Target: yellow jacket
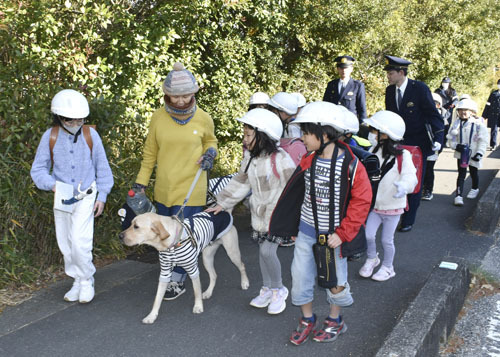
column 175, row 149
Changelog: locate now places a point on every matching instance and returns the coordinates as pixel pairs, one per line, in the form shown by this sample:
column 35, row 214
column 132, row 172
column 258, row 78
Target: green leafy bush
column 117, row 52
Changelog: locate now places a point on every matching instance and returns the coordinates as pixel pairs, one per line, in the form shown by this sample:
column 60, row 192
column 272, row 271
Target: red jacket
column 355, row 199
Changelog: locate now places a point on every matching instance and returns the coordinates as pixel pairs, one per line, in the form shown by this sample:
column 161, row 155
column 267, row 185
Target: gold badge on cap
column 343, row 60
column 386, row 61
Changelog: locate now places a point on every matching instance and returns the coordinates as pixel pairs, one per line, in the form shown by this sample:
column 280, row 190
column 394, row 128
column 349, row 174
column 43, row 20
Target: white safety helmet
column 437, row 98
column 389, row 123
column 301, row 100
column 322, row 113
column 259, row 98
column 70, row 104
column 265, row 121
column 464, row 96
column 467, row 104
column 351, row 122
column 286, row 102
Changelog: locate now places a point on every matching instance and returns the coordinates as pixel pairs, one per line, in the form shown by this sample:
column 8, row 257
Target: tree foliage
column 117, row 52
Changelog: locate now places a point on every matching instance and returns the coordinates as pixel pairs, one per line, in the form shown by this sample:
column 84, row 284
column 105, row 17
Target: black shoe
column 427, row 196
column 405, row 228
column 174, row 290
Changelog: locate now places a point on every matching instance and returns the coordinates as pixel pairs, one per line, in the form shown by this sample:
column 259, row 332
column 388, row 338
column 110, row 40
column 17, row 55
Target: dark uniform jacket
column 417, row 109
column 492, row 109
column 353, row 97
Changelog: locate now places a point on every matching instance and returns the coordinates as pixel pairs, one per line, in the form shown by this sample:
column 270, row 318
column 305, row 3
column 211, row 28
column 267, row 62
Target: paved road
column 111, row 324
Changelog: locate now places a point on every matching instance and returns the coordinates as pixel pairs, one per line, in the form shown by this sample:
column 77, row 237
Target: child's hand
column 334, row 240
column 401, row 191
column 216, row 209
column 98, row 208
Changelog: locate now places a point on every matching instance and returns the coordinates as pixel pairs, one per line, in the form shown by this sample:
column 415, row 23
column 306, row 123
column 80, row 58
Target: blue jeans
column 179, row 274
column 304, row 274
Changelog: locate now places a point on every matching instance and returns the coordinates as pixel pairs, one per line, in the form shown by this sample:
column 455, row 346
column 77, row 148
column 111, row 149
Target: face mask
column 72, row 129
column 445, row 85
column 372, row 138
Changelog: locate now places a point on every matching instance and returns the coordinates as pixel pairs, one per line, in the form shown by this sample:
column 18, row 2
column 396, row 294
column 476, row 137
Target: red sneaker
column 330, row 331
column 302, row 332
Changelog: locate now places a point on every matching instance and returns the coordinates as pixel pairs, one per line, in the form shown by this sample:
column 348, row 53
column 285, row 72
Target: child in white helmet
column 265, row 170
column 325, row 203
column 285, row 106
column 397, row 180
column 258, row 100
column 70, row 155
column 468, row 136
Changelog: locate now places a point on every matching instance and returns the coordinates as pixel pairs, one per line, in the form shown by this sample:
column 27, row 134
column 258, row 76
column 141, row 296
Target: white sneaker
column 459, row 201
column 74, row 293
column 473, row 193
column 263, row 299
column 86, row 291
column 384, row 273
column 278, row 301
column 367, row 269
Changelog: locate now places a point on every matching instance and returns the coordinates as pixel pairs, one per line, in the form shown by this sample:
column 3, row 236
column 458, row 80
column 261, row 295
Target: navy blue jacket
column 353, row 97
column 492, row 109
column 417, row 109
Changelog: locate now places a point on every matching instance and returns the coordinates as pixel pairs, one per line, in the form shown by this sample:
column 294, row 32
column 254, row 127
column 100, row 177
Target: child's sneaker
column 174, row 290
column 367, row 269
column 86, row 291
column 384, row 273
column 278, row 301
column 473, row 193
column 288, row 242
column 459, row 201
column 263, row 299
column 427, row 196
column 74, row 293
column 330, row 331
column 302, row 332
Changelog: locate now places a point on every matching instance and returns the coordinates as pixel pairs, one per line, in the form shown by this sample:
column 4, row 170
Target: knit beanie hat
column 180, row 81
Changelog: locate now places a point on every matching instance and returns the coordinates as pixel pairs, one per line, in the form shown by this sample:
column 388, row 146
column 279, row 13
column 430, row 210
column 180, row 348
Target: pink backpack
column 294, row 147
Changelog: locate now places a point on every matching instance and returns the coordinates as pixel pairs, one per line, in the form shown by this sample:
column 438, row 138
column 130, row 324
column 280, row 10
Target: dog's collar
column 189, row 234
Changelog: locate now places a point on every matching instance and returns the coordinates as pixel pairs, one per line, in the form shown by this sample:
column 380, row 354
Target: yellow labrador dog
column 181, row 243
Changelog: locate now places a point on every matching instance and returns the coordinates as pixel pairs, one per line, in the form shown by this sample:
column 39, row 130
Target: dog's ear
column 158, row 228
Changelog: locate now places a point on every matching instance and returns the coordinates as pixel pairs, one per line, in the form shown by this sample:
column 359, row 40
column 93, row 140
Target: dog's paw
column 207, row 294
column 197, row 309
column 148, row 320
column 245, row 284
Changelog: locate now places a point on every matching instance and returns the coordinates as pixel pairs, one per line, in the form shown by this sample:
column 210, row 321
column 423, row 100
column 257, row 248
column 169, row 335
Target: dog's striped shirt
column 206, row 227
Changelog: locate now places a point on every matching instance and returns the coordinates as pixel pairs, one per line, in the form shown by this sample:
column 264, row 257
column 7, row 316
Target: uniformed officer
column 492, row 113
column 346, row 91
column 412, row 100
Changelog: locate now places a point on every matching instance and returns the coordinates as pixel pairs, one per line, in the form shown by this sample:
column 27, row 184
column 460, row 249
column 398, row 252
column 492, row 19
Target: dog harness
column 205, row 227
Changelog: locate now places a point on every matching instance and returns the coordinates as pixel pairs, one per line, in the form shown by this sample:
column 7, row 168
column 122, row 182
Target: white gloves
column 401, row 190
column 436, row 146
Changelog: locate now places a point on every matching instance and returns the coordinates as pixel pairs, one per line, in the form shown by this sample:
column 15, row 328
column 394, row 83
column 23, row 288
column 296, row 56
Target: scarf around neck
column 181, row 116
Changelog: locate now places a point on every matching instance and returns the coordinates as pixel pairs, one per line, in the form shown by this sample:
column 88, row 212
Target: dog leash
column 179, row 217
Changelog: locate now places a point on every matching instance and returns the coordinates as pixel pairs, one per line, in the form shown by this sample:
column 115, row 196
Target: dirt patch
column 480, row 287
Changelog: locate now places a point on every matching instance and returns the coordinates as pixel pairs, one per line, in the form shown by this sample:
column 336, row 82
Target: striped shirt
column 323, row 196
column 205, row 227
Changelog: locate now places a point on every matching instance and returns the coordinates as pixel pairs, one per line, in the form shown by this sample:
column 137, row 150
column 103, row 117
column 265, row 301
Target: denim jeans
column 304, row 274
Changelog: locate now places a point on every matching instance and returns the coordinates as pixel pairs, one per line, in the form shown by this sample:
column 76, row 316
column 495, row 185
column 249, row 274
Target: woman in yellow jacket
column 180, row 140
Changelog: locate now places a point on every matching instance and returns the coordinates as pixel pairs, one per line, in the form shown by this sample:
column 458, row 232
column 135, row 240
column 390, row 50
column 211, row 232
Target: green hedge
column 118, row 52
